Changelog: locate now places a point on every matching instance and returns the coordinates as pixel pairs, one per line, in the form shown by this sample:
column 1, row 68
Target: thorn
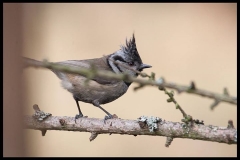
column 215, row 103
column 192, row 86
column 152, row 77
column 44, row 132
column 230, row 124
column 168, row 141
column 138, row 87
column 36, row 108
column 225, row 92
column 93, row 136
column 161, row 88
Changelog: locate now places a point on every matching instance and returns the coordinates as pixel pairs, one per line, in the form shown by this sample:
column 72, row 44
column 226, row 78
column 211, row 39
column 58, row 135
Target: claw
column 78, row 116
column 107, row 117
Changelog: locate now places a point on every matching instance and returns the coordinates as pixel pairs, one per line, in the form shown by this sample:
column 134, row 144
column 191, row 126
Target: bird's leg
column 79, row 110
column 109, row 116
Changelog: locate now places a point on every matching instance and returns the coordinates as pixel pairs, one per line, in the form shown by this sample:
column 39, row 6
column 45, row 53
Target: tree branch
column 133, row 127
column 93, row 72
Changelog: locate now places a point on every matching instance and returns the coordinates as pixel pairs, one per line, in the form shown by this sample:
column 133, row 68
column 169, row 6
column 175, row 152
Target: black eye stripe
column 119, row 58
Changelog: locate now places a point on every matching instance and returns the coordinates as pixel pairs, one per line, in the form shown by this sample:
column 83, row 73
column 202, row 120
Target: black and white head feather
column 131, row 49
column 127, row 55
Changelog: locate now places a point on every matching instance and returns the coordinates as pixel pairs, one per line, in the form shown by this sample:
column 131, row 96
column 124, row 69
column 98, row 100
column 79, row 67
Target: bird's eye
column 130, row 63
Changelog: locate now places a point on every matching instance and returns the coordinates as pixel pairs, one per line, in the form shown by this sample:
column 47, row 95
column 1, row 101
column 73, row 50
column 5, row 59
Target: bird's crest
column 131, row 49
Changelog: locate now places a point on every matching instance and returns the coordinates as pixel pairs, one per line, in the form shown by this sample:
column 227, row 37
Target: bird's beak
column 143, row 66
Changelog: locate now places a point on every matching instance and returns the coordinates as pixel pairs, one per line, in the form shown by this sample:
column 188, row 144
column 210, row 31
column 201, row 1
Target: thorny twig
column 180, row 88
column 158, row 127
column 187, row 118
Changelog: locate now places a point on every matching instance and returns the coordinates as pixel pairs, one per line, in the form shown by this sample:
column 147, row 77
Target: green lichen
column 151, row 122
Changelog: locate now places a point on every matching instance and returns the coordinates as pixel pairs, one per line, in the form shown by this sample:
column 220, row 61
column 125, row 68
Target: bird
column 100, row 91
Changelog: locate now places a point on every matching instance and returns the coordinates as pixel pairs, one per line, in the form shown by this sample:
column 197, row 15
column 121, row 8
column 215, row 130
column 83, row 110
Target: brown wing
column 99, row 63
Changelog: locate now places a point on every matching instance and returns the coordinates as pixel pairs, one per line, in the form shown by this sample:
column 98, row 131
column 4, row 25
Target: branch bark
column 134, row 127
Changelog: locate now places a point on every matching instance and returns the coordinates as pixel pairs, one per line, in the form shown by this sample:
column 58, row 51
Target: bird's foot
column 107, row 117
column 78, row 116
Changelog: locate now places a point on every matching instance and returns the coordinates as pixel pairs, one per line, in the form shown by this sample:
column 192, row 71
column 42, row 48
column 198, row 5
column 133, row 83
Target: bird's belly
column 95, row 91
column 105, row 95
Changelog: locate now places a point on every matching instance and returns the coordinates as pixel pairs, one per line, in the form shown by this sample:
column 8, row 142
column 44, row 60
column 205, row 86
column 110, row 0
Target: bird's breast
column 92, row 90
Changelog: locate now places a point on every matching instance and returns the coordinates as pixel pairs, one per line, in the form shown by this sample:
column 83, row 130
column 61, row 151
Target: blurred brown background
column 183, row 42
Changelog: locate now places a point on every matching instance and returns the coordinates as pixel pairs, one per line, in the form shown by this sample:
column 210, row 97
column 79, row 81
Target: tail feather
column 33, row 62
column 29, row 61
